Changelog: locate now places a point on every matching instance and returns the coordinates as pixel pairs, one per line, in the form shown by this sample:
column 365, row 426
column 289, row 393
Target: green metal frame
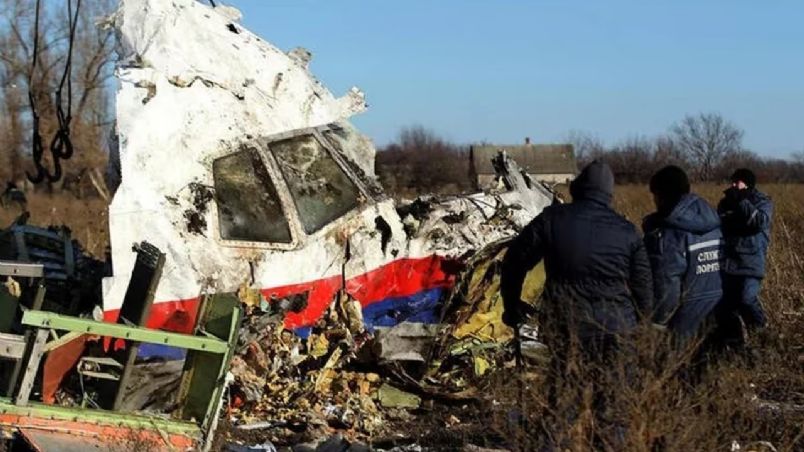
column 204, row 375
column 101, row 417
column 219, row 322
column 40, row 319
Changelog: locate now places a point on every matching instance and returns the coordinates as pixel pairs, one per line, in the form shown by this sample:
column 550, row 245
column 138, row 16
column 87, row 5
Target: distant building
column 549, row 163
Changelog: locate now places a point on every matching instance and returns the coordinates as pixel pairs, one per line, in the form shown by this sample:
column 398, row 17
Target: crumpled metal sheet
column 376, row 267
column 407, row 341
column 175, row 95
column 391, row 397
column 354, row 380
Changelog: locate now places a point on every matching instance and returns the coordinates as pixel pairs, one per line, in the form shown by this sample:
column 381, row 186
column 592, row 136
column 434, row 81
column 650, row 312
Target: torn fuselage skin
column 255, row 177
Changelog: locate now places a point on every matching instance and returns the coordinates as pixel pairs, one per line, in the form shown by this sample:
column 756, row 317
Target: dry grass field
column 741, row 403
column 783, row 288
column 738, row 405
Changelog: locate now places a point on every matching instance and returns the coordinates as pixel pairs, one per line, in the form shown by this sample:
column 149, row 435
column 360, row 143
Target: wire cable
column 61, row 148
column 36, row 138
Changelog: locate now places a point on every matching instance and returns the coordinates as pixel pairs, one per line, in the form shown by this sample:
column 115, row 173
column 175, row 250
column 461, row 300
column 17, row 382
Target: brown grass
column 756, row 403
column 735, row 403
column 783, row 287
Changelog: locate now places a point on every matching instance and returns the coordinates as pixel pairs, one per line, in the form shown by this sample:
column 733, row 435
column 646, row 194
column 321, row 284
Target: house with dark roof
column 549, row 163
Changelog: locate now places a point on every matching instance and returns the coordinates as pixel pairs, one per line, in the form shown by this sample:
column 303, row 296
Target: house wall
column 558, row 178
column 487, row 181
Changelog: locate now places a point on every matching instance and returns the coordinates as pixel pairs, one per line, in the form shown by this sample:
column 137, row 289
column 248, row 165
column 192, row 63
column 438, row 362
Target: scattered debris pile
column 290, row 385
column 345, row 379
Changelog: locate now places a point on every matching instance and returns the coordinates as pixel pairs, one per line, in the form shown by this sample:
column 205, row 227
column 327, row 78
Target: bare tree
column 740, row 159
column 706, row 139
column 586, row 146
column 91, row 69
column 668, row 152
column 422, row 162
column 632, row 160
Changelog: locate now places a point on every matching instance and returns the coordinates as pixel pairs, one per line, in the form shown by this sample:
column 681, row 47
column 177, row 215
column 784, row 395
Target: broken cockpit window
column 248, row 204
column 321, row 189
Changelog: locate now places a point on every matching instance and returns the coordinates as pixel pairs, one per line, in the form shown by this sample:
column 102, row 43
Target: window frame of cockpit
column 287, row 201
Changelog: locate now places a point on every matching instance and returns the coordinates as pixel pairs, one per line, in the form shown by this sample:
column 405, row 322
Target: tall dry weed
column 735, row 405
column 660, row 399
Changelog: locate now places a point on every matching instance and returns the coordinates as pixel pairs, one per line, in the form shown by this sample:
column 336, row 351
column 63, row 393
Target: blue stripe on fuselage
column 421, row 307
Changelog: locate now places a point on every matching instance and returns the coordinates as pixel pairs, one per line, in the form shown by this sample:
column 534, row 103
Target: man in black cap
column 746, row 215
column 598, row 283
column 685, row 247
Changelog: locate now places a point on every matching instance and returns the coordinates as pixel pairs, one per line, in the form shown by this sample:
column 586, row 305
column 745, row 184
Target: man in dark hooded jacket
column 598, row 282
column 746, row 215
column 597, row 288
column 685, row 247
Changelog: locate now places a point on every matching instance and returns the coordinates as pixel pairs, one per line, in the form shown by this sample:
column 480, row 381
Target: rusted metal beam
column 137, row 306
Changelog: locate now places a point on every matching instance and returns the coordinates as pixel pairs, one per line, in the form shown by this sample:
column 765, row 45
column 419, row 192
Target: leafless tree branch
column 707, row 139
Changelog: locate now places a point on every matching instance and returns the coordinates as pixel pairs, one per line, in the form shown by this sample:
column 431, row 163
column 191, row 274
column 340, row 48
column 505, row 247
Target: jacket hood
column 693, row 214
column 596, row 182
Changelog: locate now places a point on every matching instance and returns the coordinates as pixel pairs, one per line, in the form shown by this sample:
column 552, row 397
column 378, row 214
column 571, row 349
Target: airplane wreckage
column 266, row 260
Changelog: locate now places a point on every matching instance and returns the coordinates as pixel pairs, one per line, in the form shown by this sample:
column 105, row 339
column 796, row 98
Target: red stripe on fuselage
column 400, row 278
column 178, row 316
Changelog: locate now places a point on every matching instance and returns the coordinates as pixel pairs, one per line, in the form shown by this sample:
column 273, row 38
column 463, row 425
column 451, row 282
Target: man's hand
column 518, row 316
column 734, row 195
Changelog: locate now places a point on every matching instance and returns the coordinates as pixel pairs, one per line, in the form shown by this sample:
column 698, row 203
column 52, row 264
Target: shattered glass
column 320, row 188
column 248, row 203
column 342, row 139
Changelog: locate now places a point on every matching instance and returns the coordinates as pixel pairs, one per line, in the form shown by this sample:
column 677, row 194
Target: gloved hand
column 734, row 195
column 518, row 315
column 731, row 194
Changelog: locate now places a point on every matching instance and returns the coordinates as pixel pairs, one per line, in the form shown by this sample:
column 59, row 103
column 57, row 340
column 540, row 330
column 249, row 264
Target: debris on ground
column 407, row 341
column 343, row 378
column 391, row 397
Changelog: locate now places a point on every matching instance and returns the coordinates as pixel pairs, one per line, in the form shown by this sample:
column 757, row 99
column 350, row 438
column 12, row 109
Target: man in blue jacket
column 746, row 215
column 685, row 248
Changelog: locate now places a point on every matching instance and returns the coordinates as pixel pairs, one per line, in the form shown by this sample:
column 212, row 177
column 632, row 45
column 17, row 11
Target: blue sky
column 500, row 70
